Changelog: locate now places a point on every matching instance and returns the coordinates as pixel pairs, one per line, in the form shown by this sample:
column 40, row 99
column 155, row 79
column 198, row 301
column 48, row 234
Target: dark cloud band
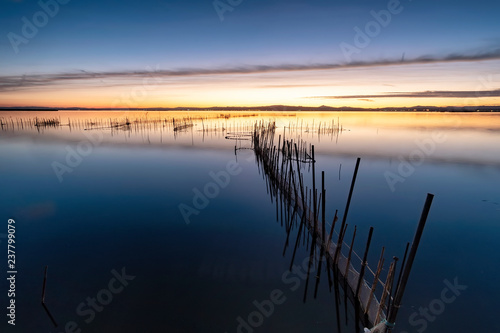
column 422, row 94
column 12, row 83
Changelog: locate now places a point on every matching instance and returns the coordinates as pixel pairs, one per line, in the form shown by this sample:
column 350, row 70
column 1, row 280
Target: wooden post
column 402, row 266
column 339, row 244
column 375, row 280
column 393, row 312
column 349, row 196
column 391, row 287
column 298, row 171
column 43, row 298
column 335, row 218
column 388, row 282
column 350, row 253
column 323, row 203
column 314, row 189
column 44, row 283
column 364, row 263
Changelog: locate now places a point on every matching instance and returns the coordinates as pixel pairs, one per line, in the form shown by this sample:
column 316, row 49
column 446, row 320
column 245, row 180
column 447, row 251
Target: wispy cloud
column 12, row 83
column 421, row 94
column 293, row 85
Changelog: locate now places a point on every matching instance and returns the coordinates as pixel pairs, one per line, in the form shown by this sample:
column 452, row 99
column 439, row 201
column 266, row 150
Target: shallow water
column 116, row 206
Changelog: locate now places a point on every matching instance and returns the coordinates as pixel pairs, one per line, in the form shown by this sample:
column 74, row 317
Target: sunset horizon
column 369, row 55
column 250, row 166
column 251, row 86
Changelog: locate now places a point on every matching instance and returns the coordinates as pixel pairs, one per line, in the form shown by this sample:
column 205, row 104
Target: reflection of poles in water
column 43, row 297
column 141, row 124
column 311, row 257
column 192, row 135
column 318, row 276
column 336, row 291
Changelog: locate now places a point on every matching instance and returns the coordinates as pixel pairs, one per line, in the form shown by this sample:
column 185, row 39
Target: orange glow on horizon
column 309, row 88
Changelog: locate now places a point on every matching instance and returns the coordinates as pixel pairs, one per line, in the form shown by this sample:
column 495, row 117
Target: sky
column 153, row 53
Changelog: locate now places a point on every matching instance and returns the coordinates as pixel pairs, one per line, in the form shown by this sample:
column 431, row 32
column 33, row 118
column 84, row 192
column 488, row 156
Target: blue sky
column 127, row 36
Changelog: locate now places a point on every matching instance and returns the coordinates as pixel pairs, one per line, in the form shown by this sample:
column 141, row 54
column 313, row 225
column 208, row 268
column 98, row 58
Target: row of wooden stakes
column 281, row 166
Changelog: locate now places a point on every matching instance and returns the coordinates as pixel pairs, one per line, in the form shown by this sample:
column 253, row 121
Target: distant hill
column 276, row 108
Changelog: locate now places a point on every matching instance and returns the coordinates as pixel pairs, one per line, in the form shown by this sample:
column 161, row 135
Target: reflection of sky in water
column 119, row 208
column 455, row 138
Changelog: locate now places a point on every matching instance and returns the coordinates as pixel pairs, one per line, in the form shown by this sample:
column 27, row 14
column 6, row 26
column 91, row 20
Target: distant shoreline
column 273, row 108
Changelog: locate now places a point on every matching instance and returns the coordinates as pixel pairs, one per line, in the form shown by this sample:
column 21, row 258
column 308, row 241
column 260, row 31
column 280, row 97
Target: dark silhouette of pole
column 402, row 266
column 413, row 251
column 323, row 208
column 43, row 297
column 347, row 205
column 350, row 191
column 364, row 263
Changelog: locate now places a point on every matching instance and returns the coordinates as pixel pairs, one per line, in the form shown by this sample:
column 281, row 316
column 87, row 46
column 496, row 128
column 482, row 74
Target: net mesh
column 380, row 328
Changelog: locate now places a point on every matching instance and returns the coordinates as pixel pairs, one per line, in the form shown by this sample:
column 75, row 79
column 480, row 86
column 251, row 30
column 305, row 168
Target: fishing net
column 381, row 327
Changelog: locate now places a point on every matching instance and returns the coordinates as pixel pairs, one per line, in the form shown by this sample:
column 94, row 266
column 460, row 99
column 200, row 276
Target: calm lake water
column 132, row 246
